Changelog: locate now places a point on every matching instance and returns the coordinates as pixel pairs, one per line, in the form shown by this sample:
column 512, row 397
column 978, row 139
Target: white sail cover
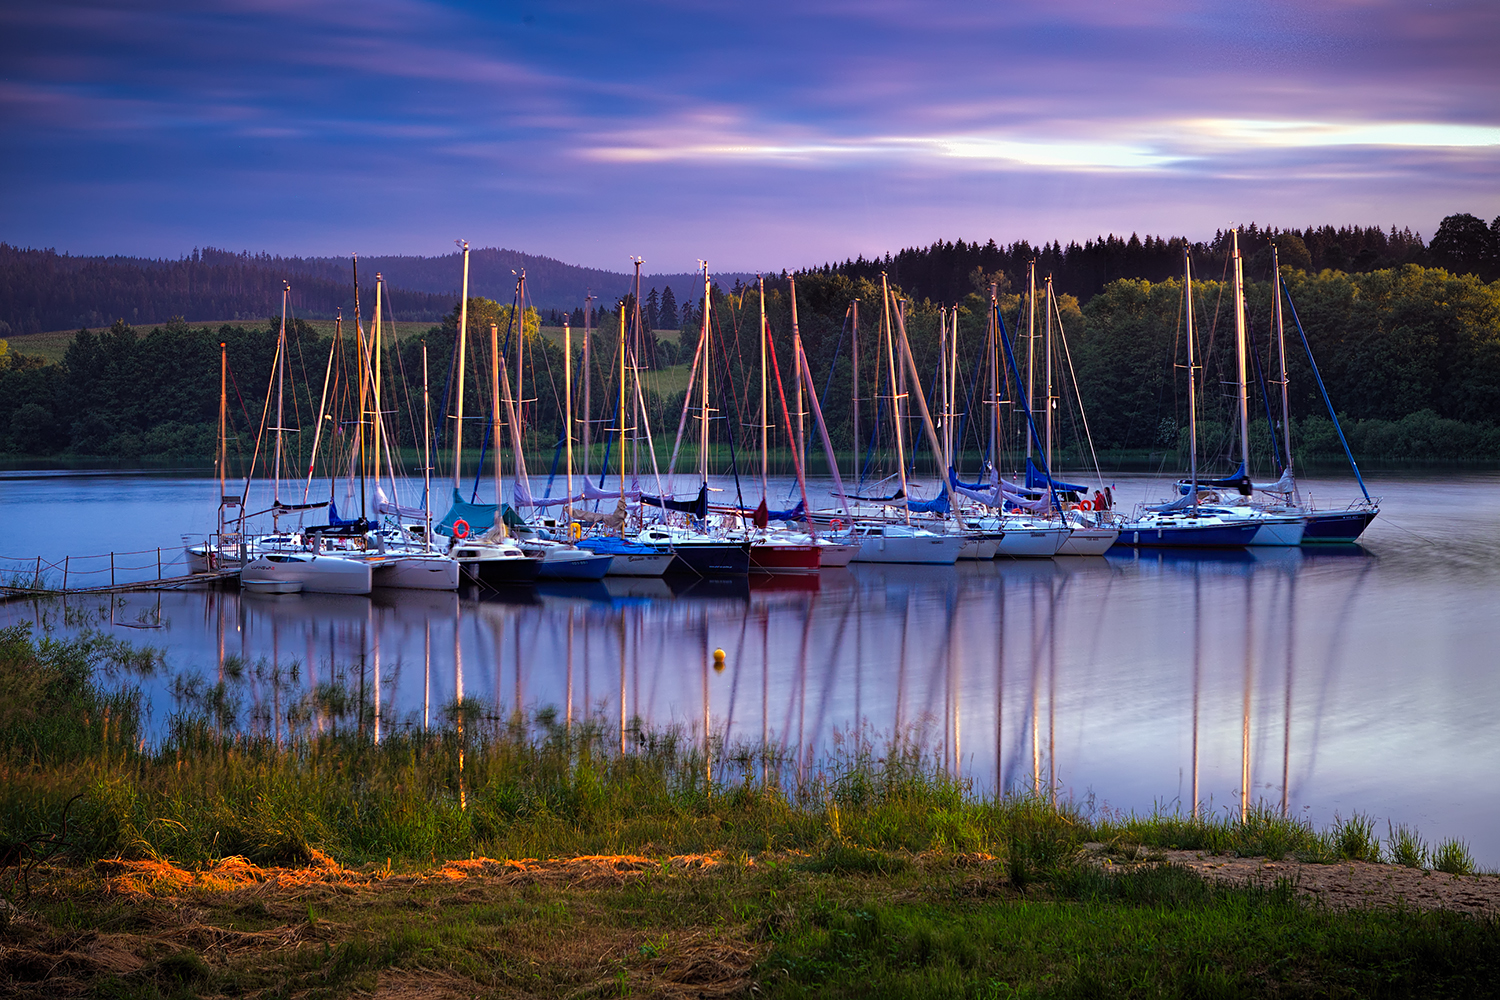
column 999, row 496
column 1286, row 484
column 385, row 506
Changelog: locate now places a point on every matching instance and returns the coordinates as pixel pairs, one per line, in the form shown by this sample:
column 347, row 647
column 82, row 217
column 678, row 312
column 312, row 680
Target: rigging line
column 1067, row 353
column 1323, row 389
column 1265, row 395
column 874, row 428
column 734, row 466
column 411, row 414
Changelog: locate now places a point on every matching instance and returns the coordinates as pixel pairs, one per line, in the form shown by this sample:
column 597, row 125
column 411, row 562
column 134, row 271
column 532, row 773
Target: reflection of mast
column 458, row 696
column 1036, row 735
column 375, row 649
column 1286, row 724
column 1051, row 685
column 622, row 650
column 1245, row 714
column 426, row 672
column 765, row 696
column 568, row 716
column 1197, row 673
column 1000, row 692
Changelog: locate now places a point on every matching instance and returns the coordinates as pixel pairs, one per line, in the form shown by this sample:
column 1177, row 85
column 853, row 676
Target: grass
column 323, row 863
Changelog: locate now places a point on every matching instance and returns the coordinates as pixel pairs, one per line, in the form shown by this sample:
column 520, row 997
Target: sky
column 755, row 136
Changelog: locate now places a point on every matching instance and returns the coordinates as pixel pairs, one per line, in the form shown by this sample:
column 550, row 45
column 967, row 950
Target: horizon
column 806, row 136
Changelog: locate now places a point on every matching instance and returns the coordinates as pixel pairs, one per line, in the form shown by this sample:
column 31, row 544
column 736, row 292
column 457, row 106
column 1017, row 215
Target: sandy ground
column 1351, row 884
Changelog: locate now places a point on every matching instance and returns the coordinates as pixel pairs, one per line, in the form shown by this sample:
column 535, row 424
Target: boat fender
column 460, row 528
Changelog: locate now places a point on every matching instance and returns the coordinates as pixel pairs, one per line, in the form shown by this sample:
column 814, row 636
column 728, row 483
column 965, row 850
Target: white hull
column 418, row 572
column 316, row 574
column 941, row 550
column 979, row 548
column 640, row 564
column 1030, row 542
column 1280, row 533
column 836, row 555
column 1089, row 541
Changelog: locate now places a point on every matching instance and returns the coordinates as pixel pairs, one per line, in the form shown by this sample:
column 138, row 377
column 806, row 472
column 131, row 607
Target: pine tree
column 666, row 315
column 653, row 304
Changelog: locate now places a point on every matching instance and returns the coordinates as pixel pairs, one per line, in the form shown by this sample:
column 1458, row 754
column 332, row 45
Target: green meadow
column 534, row 855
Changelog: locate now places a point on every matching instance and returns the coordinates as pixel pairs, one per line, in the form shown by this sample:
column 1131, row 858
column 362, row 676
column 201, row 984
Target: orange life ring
column 1085, row 505
column 836, row 523
column 460, row 528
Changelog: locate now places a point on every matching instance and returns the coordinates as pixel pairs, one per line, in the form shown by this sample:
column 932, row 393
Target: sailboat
column 885, row 540
column 1182, row 523
column 698, row 551
column 1091, row 533
column 1276, row 524
column 1322, row 526
column 282, row 562
column 492, row 558
column 1019, row 514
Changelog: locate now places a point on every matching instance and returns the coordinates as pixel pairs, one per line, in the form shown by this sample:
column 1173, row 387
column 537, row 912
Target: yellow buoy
column 718, row 659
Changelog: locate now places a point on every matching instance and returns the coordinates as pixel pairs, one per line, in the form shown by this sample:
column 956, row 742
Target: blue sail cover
column 698, row 508
column 333, row 515
column 1240, row 480
column 1036, row 479
column 797, row 513
column 938, row 506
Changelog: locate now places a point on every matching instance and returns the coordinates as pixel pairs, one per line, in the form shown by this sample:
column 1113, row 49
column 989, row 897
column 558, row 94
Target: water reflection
column 1192, row 682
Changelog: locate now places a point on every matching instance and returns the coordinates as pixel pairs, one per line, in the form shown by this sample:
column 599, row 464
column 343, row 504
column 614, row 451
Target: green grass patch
column 872, row 874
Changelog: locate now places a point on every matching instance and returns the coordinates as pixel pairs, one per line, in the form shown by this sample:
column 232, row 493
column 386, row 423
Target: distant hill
column 550, row 284
column 43, row 290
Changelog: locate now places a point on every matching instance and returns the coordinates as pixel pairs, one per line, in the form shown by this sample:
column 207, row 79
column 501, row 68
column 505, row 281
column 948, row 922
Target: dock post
column 65, row 574
column 158, row 563
column 36, row 579
column 111, row 570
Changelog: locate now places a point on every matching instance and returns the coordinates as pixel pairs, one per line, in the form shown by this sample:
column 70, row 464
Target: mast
column 426, row 448
column 568, row 412
column 223, row 427
column 1031, row 347
column 797, row 373
column 1047, row 347
column 760, row 282
column 952, row 386
column 588, row 374
column 854, row 383
column 280, row 424
column 942, row 386
column 1240, row 349
column 635, row 355
column 621, row 411
column 1286, row 409
column 374, row 370
column 495, row 411
column 890, row 358
column 518, row 323
column 463, row 330
column 994, row 351
column 359, row 352
column 1187, row 293
column 703, row 395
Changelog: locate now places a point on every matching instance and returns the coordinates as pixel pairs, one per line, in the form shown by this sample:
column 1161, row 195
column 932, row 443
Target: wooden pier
column 29, row 578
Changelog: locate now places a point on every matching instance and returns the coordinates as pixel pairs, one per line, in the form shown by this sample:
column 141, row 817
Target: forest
column 1410, row 356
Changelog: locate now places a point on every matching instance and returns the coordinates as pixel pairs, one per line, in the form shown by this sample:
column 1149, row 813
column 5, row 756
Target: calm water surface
column 1322, row 681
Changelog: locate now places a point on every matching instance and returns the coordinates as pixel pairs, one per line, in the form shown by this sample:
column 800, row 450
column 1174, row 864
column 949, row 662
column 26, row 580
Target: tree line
column 1410, row 356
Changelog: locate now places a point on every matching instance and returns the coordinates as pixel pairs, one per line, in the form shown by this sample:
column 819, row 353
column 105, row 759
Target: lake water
column 1324, row 682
